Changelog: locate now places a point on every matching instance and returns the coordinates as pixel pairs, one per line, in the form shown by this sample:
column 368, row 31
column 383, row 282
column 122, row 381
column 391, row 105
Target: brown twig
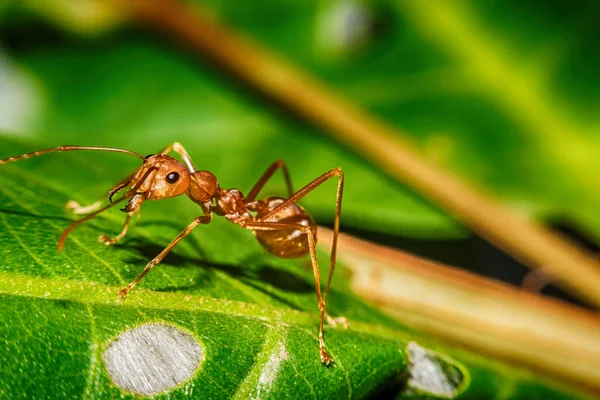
column 488, row 316
column 374, row 140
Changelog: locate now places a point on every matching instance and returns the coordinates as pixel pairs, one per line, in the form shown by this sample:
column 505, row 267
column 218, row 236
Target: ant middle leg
column 267, row 175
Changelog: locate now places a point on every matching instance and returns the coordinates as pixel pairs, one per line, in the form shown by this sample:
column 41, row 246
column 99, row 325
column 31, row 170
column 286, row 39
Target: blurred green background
column 505, row 94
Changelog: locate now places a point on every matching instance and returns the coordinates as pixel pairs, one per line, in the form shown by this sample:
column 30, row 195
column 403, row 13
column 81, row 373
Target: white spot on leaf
column 153, row 358
column 429, row 373
column 269, row 373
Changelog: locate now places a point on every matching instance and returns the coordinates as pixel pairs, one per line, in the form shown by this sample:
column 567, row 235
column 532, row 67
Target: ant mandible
column 281, row 226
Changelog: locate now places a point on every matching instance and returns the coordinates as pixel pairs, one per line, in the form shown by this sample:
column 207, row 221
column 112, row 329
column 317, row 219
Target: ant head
column 165, row 177
column 161, row 177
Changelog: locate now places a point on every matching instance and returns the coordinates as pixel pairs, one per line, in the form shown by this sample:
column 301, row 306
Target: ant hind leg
column 282, row 226
column 336, row 172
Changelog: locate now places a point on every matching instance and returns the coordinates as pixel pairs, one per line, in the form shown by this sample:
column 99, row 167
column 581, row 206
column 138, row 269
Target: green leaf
column 248, row 310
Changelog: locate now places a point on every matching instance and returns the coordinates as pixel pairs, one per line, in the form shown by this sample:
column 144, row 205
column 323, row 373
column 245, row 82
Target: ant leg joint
column 321, row 306
column 107, row 240
column 338, row 171
column 204, row 219
column 306, row 230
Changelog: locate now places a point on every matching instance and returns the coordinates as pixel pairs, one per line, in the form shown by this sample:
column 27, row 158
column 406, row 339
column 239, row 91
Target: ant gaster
column 282, row 226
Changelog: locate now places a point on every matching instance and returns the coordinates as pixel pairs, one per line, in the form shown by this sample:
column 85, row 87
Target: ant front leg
column 110, row 241
column 78, row 209
column 69, row 229
column 128, row 195
column 205, row 219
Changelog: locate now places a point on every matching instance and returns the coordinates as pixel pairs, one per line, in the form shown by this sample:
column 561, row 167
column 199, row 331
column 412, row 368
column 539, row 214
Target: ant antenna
column 69, row 148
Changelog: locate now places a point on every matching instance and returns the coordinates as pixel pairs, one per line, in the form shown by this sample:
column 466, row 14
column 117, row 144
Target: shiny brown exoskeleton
column 282, row 227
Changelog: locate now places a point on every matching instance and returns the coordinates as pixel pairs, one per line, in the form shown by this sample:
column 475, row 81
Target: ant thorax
column 231, row 204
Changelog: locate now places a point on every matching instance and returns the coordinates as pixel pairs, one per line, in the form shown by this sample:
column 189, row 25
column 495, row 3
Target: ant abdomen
column 286, row 243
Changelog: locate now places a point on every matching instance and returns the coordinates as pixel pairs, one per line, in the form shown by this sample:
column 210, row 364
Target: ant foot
column 107, row 240
column 339, row 320
column 325, row 357
column 123, row 293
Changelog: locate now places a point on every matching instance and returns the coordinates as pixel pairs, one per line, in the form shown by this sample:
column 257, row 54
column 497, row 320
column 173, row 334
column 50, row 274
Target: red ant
column 281, row 226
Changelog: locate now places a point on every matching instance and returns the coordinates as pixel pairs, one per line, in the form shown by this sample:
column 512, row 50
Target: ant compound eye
column 173, row 177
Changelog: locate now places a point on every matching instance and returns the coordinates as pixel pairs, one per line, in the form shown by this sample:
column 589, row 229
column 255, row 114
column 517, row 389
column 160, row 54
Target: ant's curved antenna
column 69, row 148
